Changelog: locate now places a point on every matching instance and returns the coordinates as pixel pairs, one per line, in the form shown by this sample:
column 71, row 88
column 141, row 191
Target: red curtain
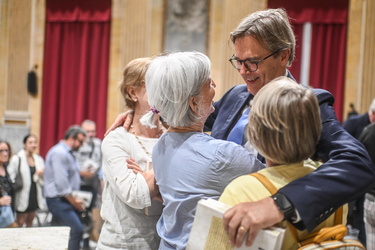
column 75, row 74
column 328, row 50
column 328, row 53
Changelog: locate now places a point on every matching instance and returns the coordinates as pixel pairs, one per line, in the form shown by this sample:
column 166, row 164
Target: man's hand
column 87, row 174
column 247, row 219
column 78, row 204
column 124, row 119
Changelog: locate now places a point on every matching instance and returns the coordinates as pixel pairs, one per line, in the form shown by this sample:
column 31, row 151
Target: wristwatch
column 284, row 205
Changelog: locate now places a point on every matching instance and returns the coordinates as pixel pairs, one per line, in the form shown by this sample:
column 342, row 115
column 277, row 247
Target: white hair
column 372, row 106
column 171, row 80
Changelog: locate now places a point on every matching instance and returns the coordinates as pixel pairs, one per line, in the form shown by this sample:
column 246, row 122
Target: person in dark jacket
column 356, row 123
column 264, row 47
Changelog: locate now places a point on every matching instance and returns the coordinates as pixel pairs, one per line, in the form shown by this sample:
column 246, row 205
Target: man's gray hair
column 271, row 28
column 171, row 80
column 73, row 132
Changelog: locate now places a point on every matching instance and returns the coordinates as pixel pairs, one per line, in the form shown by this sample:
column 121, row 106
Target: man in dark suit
column 367, row 138
column 356, row 123
column 264, row 46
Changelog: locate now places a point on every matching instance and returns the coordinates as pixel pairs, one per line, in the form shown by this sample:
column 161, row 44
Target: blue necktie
column 237, row 133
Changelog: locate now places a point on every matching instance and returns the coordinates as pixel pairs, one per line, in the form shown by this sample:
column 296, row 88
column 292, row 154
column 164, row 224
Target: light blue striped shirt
column 61, row 173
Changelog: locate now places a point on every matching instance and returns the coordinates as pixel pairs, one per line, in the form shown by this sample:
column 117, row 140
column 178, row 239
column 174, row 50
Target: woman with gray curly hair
column 189, row 165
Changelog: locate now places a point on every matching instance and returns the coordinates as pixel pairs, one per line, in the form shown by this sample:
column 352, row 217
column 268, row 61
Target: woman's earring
column 135, row 100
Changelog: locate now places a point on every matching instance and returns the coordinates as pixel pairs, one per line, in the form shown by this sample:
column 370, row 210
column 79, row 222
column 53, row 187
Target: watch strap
column 281, row 201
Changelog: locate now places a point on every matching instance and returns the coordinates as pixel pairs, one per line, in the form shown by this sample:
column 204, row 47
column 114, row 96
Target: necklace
column 140, row 142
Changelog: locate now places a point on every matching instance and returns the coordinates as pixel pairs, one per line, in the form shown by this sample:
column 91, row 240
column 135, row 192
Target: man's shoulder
column 57, row 149
column 323, row 95
column 241, row 88
column 354, row 119
column 357, row 117
column 235, row 94
column 369, row 130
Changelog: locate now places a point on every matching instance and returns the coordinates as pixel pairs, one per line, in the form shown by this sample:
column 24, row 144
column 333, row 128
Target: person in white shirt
column 126, row 194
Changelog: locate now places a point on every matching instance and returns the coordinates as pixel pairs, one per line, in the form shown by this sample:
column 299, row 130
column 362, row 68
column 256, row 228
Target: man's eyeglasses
column 4, row 151
column 250, row 64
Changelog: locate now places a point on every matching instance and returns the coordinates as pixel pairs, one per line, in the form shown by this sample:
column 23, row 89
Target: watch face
column 285, row 206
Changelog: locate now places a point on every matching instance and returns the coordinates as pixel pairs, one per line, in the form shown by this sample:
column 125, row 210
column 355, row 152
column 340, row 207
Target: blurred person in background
column 128, row 195
column 31, row 167
column 6, row 189
column 89, row 157
column 61, row 179
column 367, row 138
column 356, row 123
column 355, row 126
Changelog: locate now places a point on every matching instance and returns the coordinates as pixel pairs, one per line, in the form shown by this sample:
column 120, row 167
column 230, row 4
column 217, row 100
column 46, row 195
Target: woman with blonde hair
column 126, row 194
column 284, row 126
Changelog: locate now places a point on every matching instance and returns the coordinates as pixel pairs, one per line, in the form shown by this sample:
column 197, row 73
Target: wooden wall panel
column 353, row 56
column 225, row 15
column 19, row 55
column 360, row 56
column 136, row 31
column 4, row 34
column 38, row 20
column 368, row 87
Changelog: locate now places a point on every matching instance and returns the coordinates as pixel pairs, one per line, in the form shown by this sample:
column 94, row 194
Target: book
column 83, row 195
column 208, row 231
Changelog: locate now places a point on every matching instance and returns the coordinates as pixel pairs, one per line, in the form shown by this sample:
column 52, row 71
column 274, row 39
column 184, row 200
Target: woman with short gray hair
column 174, row 79
column 189, row 165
